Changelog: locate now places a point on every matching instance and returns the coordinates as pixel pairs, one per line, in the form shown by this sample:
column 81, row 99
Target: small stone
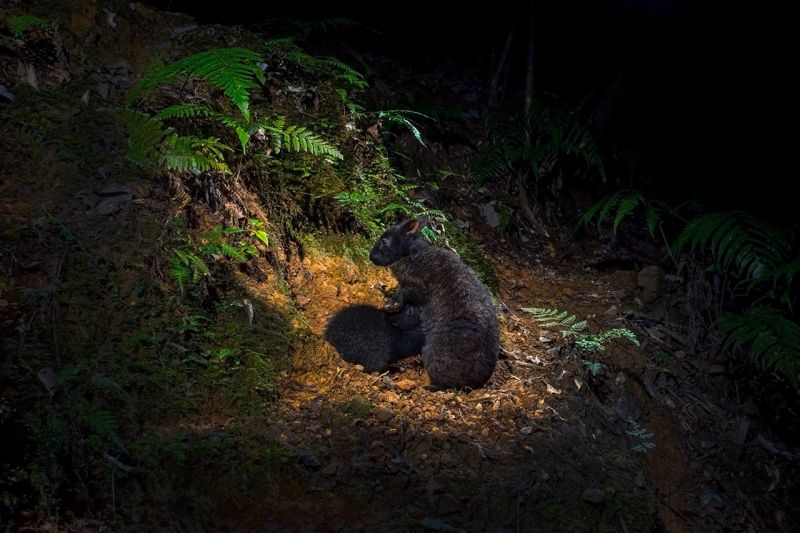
column 546, row 336
column 479, row 407
column 390, row 396
column 360, row 368
column 114, row 189
column 108, row 206
column 405, row 385
column 383, row 414
column 651, row 280
column 526, row 430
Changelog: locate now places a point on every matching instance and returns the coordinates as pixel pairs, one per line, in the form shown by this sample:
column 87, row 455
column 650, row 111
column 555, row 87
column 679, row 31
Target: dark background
column 702, row 92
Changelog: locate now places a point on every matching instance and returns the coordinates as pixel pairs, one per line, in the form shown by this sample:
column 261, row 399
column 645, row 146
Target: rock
column 546, row 336
column 611, row 311
column 651, row 280
column 526, row 430
column 490, row 214
column 593, row 496
column 390, row 396
column 108, row 206
column 405, row 385
column 115, row 189
column 383, row 414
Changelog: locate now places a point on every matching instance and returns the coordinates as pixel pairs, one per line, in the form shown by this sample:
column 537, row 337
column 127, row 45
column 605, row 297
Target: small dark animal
column 459, row 320
column 367, row 336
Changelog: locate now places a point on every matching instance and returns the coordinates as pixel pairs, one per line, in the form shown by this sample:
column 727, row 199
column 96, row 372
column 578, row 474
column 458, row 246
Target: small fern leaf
column 771, row 339
column 626, row 207
column 232, row 252
column 179, row 270
column 183, row 111
column 19, row 24
column 234, row 70
column 144, row 134
column 652, row 219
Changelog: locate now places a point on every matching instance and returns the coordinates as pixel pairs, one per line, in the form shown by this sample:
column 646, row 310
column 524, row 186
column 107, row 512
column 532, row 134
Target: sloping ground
column 130, row 403
column 545, row 446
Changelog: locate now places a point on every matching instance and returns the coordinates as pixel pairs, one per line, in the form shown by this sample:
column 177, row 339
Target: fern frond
column 144, row 134
column 535, row 142
column 597, row 342
column 400, row 117
column 346, row 73
column 186, row 266
column 179, row 271
column 234, row 70
column 183, row 111
column 569, row 326
column 736, row 241
column 101, row 422
column 232, row 252
column 771, row 339
column 19, row 24
column 553, row 318
column 493, row 163
column 620, row 205
column 187, row 152
column 298, row 139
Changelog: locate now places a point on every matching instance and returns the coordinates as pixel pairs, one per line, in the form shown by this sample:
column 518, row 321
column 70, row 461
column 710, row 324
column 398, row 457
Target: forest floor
column 633, row 438
column 546, row 445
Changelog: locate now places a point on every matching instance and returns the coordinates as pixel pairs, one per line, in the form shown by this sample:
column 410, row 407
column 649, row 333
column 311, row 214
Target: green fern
column 641, row 436
column 553, row 318
column 535, row 143
column 298, row 139
column 186, row 267
column 771, row 339
column 19, row 24
column 597, row 342
column 234, row 70
column 401, row 117
column 344, row 73
column 145, row 133
column 570, row 326
column 187, row 152
column 621, row 204
column 101, row 422
column 737, row 241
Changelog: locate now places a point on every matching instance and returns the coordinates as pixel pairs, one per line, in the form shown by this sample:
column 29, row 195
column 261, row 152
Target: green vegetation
column 757, row 258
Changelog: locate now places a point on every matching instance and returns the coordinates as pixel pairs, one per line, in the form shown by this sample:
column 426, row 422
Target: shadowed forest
column 523, row 267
